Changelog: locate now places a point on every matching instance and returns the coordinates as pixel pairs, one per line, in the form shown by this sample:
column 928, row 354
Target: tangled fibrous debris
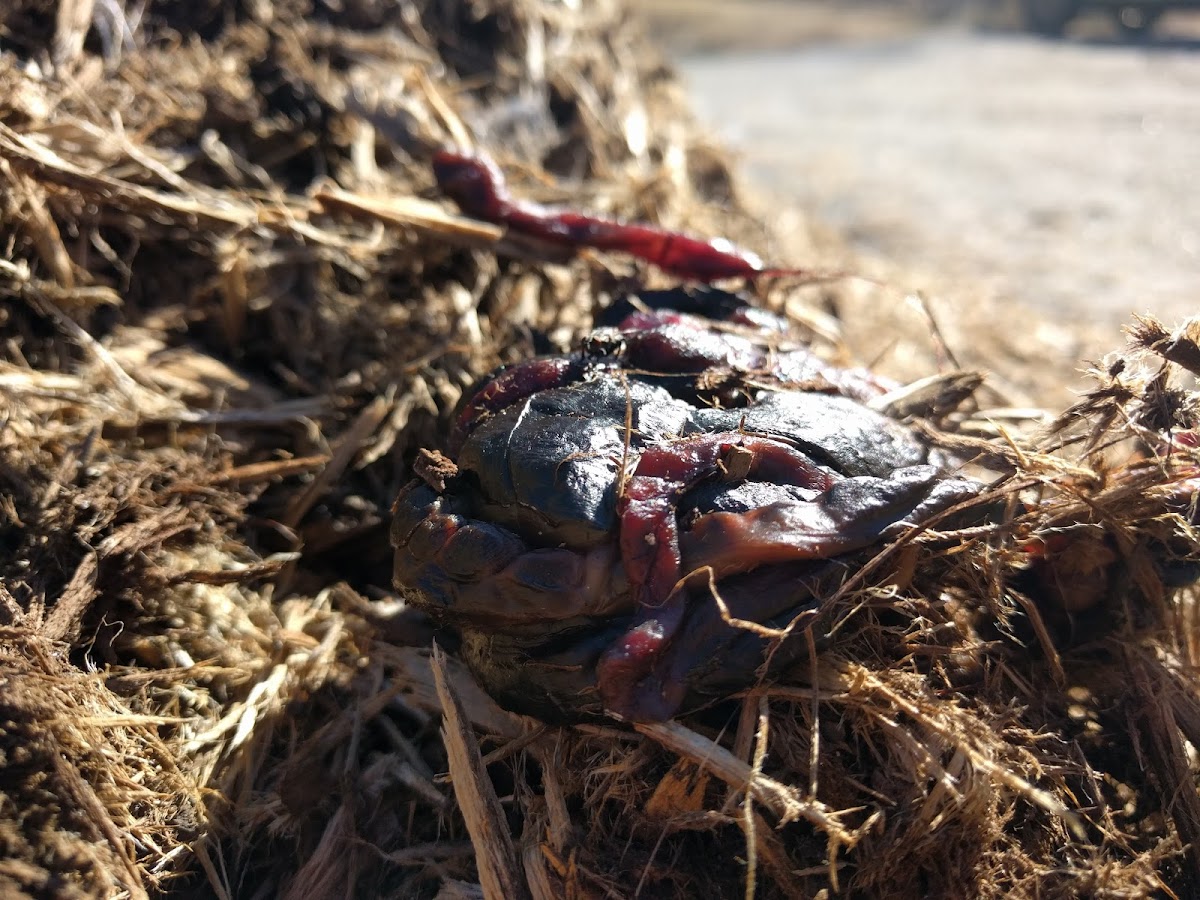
column 232, row 308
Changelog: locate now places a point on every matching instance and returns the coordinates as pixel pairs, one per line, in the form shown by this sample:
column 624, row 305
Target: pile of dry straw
column 233, row 308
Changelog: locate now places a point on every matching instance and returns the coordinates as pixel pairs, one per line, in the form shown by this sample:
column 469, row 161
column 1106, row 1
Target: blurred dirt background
column 947, row 144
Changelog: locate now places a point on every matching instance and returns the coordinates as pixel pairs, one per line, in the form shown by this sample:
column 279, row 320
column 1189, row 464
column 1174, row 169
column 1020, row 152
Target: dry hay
column 232, row 310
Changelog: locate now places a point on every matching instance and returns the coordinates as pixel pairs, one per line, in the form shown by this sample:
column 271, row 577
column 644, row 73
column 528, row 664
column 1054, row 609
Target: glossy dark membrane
column 604, row 500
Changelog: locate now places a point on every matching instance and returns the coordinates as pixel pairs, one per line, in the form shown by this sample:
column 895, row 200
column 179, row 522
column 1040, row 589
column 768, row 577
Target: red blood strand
column 479, row 189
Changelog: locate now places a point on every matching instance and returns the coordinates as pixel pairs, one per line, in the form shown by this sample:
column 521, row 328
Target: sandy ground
column 1061, row 173
column 715, row 26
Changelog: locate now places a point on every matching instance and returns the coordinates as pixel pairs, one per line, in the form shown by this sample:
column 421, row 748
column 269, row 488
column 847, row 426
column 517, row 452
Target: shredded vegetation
column 232, row 310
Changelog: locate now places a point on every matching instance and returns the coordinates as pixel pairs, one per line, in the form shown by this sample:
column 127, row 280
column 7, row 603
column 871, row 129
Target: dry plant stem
column 412, row 212
column 329, row 871
column 514, row 746
column 121, row 380
column 75, row 599
column 1044, row 639
column 46, row 236
column 748, row 816
column 743, row 741
column 413, row 674
column 860, row 678
column 218, row 881
column 558, row 814
column 268, row 471
column 814, row 742
column 269, row 568
column 537, row 874
column 85, row 796
column 230, row 212
column 785, row 802
column 1168, row 754
column 72, row 22
column 495, row 855
column 47, row 167
column 354, row 439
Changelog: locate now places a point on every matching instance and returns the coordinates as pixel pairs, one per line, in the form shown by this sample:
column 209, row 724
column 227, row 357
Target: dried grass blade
column 785, row 802
column 355, row 437
column 495, row 854
column 411, row 212
column 1176, row 772
column 78, row 595
column 45, row 166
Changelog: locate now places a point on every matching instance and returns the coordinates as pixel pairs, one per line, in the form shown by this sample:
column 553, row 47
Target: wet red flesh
column 649, row 544
column 478, row 187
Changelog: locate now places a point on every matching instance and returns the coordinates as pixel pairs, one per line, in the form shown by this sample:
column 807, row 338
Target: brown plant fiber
column 233, row 307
